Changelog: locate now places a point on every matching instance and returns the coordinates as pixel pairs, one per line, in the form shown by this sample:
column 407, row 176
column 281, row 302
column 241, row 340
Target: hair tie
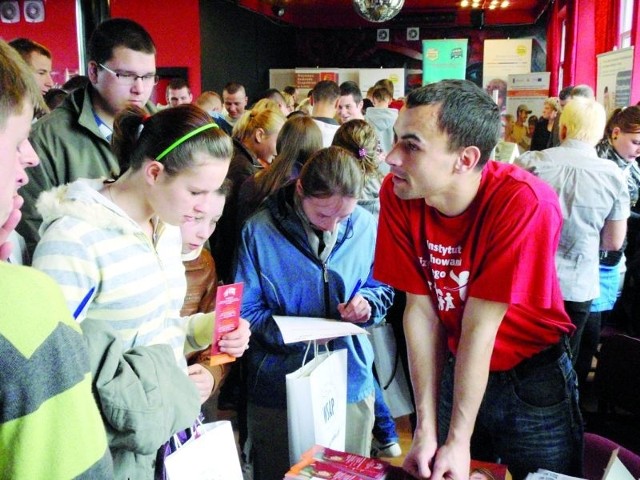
column 362, row 152
column 186, row 137
column 145, row 117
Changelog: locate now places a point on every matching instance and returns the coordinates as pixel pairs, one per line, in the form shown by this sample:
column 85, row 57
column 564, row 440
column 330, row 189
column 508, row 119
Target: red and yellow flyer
column 228, row 302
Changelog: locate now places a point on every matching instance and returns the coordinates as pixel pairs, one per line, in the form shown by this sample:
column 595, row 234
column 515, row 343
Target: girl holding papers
column 120, row 241
column 302, row 254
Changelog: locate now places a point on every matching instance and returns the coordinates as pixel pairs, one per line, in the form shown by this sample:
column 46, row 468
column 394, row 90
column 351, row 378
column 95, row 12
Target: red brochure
column 228, row 303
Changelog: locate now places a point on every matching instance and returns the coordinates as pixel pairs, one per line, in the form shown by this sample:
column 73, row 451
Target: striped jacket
column 139, row 287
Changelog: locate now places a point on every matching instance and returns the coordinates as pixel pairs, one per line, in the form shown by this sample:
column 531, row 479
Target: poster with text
column 614, row 79
column 503, row 58
column 369, row 76
column 444, row 59
column 530, row 89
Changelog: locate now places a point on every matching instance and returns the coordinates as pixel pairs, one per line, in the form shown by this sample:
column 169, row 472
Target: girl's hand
column 235, row 343
column 202, row 379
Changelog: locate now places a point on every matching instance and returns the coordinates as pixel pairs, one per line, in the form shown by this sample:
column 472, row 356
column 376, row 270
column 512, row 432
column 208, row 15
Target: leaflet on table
column 322, row 462
column 305, row 329
column 228, row 303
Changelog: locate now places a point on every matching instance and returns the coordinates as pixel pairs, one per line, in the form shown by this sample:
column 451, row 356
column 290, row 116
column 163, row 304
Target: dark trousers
column 578, row 313
column 529, row 417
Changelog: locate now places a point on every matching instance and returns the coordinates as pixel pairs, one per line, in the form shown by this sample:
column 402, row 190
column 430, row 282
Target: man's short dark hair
column 351, row 88
column 290, row 89
column 326, row 91
column 467, row 114
column 233, row 87
column 26, row 46
column 565, row 93
column 178, row 83
column 75, row 82
column 118, row 32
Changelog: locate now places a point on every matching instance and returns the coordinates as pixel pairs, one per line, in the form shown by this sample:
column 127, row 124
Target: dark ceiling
column 435, row 13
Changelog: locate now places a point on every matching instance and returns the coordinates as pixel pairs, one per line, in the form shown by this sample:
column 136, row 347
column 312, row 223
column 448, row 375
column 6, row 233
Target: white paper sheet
column 304, row 329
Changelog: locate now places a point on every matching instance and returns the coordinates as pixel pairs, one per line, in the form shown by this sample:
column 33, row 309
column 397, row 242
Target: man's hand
column 452, row 462
column 357, row 310
column 9, row 226
column 420, row 457
column 202, row 379
column 235, row 343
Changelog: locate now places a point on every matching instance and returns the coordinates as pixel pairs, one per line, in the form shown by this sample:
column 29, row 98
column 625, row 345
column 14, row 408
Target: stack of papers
column 307, row 329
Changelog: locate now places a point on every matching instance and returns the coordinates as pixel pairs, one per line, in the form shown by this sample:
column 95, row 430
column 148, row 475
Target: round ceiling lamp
column 378, row 10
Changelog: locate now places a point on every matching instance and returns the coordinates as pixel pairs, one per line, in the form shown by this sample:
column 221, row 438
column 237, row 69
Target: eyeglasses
column 130, row 78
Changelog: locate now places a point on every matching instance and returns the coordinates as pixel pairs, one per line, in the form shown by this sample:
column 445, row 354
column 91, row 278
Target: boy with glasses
column 73, row 141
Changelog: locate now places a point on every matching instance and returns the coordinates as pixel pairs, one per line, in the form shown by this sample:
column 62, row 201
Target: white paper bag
column 211, row 456
column 317, row 404
column 395, row 388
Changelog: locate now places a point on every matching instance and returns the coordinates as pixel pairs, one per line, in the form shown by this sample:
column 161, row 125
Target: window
column 563, row 44
column 626, row 16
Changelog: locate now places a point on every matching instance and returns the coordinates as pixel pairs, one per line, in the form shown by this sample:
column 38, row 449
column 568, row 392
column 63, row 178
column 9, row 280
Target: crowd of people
column 131, row 214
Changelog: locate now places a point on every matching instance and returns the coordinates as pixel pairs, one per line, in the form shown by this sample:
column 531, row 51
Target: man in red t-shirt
column 472, row 243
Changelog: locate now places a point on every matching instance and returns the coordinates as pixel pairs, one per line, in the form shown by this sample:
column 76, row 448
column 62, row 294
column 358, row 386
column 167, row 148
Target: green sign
column 443, row 59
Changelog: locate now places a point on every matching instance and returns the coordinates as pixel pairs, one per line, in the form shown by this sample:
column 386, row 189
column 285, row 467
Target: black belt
column 544, row 357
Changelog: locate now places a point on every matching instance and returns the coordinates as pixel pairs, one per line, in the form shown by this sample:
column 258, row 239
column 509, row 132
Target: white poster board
column 614, row 78
column 364, row 77
column 530, row 89
column 281, row 77
column 369, row 76
column 502, row 58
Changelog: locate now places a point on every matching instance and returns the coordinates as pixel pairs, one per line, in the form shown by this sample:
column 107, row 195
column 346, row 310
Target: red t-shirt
column 502, row 249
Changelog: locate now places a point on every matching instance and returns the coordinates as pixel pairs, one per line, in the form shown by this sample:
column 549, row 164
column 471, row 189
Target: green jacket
column 50, row 426
column 144, row 398
column 70, row 146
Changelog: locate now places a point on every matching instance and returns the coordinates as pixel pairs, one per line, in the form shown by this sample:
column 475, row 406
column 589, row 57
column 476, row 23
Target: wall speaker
column 477, row 18
column 34, row 11
column 9, row 12
column 382, row 35
column 413, row 34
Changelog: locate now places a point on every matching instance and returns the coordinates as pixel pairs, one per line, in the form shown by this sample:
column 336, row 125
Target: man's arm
column 480, row 323
column 613, row 234
column 426, row 348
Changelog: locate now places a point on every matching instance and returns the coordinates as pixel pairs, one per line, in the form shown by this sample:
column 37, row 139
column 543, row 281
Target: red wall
column 175, row 29
column 57, row 33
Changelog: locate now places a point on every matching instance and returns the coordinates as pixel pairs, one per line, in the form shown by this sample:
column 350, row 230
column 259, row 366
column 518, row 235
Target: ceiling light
column 492, row 7
column 377, row 10
column 464, row 3
column 504, row 4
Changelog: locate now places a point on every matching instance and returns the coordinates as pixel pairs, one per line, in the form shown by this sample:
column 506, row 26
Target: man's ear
column 468, row 159
column 259, row 135
column 152, row 171
column 562, row 133
column 299, row 188
column 92, row 71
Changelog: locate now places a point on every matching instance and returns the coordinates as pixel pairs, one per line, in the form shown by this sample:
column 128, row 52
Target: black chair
column 617, row 377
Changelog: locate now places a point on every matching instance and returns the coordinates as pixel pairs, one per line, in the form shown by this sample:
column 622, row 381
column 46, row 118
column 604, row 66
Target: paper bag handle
column 316, row 350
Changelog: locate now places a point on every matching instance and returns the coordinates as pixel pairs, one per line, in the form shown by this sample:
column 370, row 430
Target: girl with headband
column 115, row 249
